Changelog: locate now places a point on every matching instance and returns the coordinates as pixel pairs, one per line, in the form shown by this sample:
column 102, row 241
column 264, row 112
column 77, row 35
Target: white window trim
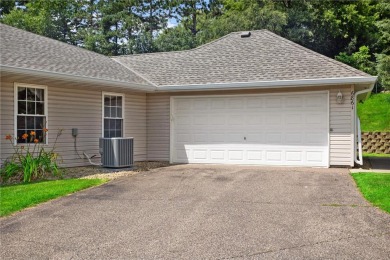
column 45, row 107
column 123, row 110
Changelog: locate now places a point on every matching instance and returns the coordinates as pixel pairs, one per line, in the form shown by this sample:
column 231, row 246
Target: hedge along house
column 246, row 98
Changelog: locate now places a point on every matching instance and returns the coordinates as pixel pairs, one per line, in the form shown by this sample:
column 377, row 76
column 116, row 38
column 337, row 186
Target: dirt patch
column 93, row 172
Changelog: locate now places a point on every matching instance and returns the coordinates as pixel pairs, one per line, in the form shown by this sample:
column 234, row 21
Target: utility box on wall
column 117, row 152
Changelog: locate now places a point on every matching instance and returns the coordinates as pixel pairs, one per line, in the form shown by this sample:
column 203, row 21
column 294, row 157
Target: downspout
column 357, row 127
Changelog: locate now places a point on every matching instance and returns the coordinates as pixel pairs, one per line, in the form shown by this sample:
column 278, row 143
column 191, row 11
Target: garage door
column 279, row 129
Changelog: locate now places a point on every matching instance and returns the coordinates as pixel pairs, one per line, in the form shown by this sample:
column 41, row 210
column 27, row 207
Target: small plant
column 31, row 161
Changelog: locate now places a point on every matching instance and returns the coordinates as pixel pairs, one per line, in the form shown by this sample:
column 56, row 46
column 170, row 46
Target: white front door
column 270, row 129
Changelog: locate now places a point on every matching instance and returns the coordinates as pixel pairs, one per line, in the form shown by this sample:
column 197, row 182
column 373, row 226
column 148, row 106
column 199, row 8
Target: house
column 246, row 98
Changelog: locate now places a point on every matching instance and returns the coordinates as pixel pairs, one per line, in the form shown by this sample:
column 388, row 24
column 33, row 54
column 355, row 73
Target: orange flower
column 32, row 133
column 24, row 136
column 8, row 137
column 45, row 129
column 36, row 140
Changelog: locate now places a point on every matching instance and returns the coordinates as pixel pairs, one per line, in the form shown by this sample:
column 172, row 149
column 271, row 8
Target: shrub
column 31, row 161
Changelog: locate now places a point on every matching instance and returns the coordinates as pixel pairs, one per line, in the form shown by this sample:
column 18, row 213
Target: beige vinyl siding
column 7, row 116
column 158, row 121
column 341, row 138
column 73, row 107
column 341, row 123
column 147, row 119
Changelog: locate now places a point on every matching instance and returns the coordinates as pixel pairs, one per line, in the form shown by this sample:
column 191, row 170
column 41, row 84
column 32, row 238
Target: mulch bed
column 93, row 172
column 96, row 172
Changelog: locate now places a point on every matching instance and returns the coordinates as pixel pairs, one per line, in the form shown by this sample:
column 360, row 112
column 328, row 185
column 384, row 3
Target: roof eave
column 83, row 79
column 269, row 84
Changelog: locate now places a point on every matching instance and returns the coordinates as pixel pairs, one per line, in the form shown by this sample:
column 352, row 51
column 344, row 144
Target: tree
column 53, row 19
column 361, row 60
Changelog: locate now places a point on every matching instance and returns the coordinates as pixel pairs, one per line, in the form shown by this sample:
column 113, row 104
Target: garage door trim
column 172, row 116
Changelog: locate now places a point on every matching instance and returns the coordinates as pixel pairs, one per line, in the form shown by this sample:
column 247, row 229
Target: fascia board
column 268, row 84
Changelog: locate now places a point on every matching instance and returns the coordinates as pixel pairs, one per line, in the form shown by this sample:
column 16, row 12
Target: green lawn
column 376, row 155
column 17, row 197
column 374, row 113
column 375, row 187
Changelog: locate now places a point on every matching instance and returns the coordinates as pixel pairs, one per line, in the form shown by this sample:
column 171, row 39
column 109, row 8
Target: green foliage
column 31, row 163
column 356, row 32
column 17, row 197
column 383, row 69
column 360, row 60
column 175, row 39
column 374, row 113
column 375, row 187
column 376, row 155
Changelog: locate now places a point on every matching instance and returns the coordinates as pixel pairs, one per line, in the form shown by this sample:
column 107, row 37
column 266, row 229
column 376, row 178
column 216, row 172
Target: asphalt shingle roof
column 22, row 49
column 264, row 56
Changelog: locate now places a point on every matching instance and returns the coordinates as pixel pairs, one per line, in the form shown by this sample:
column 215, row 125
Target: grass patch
column 17, row 197
column 375, row 187
column 374, row 113
column 376, row 155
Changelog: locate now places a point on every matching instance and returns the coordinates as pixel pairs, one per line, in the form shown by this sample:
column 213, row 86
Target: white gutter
column 64, row 76
column 357, row 126
column 268, row 84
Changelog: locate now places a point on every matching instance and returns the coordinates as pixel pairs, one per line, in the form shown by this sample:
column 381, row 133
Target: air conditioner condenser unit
column 117, row 152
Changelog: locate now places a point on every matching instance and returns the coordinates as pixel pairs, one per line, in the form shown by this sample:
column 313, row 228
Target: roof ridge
column 323, row 57
column 189, row 50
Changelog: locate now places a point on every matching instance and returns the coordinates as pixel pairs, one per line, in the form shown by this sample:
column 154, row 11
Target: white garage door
column 277, row 129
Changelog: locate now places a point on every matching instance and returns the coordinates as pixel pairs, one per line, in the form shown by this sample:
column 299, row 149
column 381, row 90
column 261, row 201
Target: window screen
column 113, row 116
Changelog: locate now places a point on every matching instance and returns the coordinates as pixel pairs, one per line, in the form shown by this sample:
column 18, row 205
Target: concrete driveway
column 205, row 212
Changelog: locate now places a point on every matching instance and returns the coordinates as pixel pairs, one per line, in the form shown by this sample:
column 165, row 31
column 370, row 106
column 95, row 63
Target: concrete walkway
column 376, row 164
column 205, row 212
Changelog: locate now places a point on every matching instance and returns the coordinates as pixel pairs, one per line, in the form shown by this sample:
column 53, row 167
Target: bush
column 31, row 163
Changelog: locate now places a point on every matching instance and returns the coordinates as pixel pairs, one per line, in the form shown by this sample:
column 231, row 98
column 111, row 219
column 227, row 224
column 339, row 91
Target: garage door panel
column 274, row 102
column 201, row 104
column 236, row 119
column 218, row 103
column 255, row 102
column 234, row 137
column 294, row 156
column 273, row 119
column 315, row 101
column 217, row 137
column 236, row 155
column 273, row 137
column 294, row 138
column 201, row 138
column 183, row 155
column 315, row 119
column 290, row 129
column 294, row 119
column 256, row 138
column 183, row 120
column 294, row 102
column 184, row 138
column 316, row 138
column 254, row 119
column 273, row 155
column 314, row 156
column 216, row 154
column 255, row 155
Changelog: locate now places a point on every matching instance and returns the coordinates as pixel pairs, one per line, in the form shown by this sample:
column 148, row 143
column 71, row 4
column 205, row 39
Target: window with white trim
column 113, row 115
column 31, row 114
